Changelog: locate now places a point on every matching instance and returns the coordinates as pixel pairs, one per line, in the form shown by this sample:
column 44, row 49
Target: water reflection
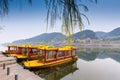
column 57, row 73
column 90, row 54
column 103, row 61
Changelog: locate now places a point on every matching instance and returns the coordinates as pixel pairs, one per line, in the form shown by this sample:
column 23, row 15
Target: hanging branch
column 70, row 13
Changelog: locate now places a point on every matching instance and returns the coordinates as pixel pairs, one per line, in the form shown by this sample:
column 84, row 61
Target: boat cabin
column 70, row 51
column 12, row 48
column 50, row 54
column 26, row 51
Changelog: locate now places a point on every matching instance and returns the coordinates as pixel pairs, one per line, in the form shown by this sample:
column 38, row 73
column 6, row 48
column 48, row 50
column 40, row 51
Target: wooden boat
column 34, row 51
column 27, row 52
column 19, row 51
column 12, row 48
column 52, row 56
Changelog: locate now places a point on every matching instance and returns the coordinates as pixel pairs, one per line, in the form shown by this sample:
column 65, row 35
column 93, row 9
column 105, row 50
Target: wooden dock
column 14, row 71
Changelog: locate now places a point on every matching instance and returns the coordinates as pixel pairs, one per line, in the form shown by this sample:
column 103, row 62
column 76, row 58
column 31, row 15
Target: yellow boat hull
column 12, row 54
column 21, row 57
column 40, row 64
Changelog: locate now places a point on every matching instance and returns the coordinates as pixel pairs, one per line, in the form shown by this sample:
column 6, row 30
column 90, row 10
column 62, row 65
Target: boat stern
column 33, row 64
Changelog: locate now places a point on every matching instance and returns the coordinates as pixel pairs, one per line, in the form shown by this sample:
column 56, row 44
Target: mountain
column 114, row 34
column 46, row 38
column 56, row 38
column 100, row 34
column 85, row 34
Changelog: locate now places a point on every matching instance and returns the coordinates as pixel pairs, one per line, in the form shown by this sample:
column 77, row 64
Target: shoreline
column 100, row 45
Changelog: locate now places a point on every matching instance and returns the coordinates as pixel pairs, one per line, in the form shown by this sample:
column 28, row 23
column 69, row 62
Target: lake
column 92, row 64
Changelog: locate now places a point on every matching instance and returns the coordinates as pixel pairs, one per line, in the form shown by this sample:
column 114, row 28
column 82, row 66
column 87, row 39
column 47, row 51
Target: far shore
column 83, row 45
column 99, row 45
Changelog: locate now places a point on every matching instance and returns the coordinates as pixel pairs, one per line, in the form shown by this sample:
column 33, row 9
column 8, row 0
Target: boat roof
column 51, row 48
column 46, row 47
column 12, row 45
column 69, row 47
column 25, row 46
column 64, row 49
column 41, row 46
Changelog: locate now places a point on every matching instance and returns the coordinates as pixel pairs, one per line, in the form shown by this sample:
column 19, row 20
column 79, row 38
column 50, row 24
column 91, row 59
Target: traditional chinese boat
column 27, row 52
column 12, row 48
column 52, row 56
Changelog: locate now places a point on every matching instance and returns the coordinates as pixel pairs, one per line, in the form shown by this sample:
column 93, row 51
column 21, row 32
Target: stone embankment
column 11, row 70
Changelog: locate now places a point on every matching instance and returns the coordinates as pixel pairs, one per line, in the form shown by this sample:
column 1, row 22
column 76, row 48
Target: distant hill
column 115, row 32
column 58, row 38
column 100, row 34
column 53, row 38
column 85, row 34
column 112, row 35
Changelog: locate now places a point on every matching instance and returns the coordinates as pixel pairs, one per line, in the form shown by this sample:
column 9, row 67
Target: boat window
column 51, row 55
column 19, row 50
column 68, row 53
column 74, row 52
column 61, row 54
column 34, row 51
column 13, row 48
column 41, row 55
column 41, row 52
column 25, row 51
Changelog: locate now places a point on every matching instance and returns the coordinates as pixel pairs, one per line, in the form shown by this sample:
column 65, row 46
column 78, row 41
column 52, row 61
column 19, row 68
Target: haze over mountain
column 101, row 34
column 59, row 38
column 112, row 35
column 47, row 38
column 85, row 34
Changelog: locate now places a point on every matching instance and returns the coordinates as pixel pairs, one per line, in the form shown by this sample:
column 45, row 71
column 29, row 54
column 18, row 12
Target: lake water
column 92, row 64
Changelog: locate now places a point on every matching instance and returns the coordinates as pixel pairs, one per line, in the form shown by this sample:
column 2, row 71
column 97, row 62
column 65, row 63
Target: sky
column 25, row 21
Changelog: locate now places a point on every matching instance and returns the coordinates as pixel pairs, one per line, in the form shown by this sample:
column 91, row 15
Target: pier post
column 8, row 70
column 16, row 77
column 3, row 65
